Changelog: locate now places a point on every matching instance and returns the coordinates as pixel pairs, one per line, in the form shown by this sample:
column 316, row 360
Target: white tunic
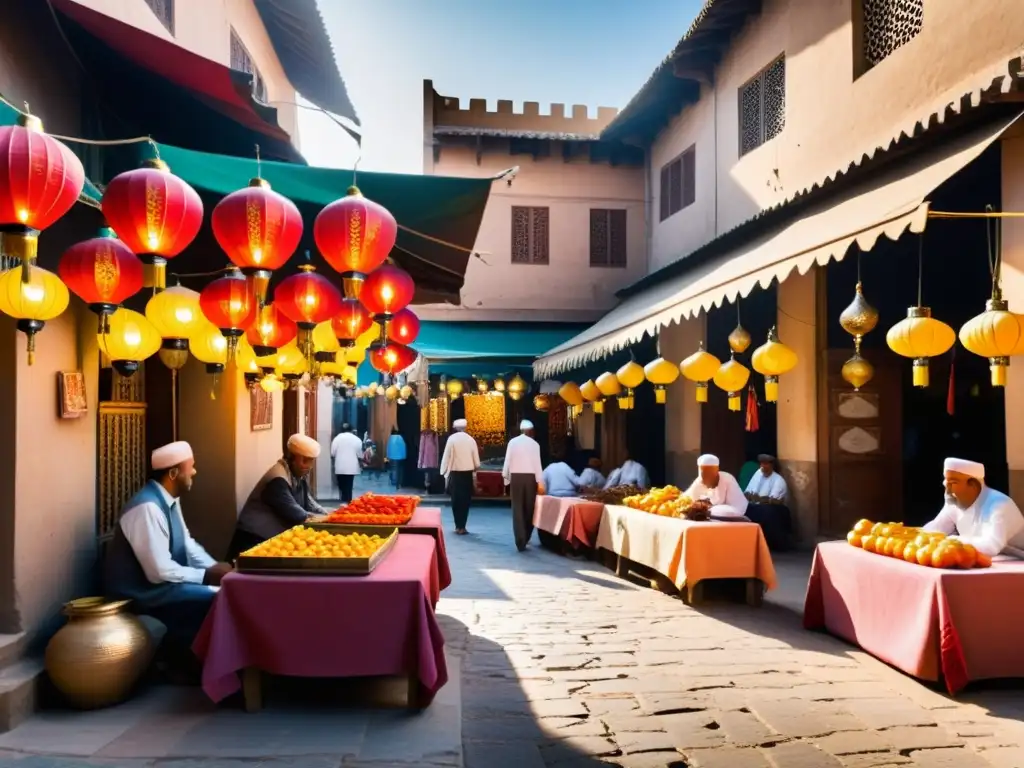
column 771, row 487
column 346, row 450
column 522, row 457
column 727, row 500
column 992, row 524
column 460, row 454
column 630, row 473
column 146, row 529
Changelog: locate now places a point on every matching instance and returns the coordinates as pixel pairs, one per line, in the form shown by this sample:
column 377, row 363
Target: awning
column 438, row 216
column 892, row 202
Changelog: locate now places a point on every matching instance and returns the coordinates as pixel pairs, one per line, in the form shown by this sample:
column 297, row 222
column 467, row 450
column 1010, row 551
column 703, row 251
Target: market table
column 927, row 622
column 428, row 520
column 687, row 552
column 489, row 484
column 328, row 626
column 570, row 518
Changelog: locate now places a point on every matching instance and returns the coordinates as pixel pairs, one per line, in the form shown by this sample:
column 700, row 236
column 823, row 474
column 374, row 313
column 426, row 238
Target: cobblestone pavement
column 563, row 664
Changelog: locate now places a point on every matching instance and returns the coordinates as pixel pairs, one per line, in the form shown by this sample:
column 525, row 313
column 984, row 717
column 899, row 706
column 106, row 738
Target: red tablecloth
column 429, row 519
column 964, row 625
column 569, row 518
column 323, row 626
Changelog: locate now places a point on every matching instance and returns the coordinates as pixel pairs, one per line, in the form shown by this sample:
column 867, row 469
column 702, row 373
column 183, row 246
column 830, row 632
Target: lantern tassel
column 30, row 348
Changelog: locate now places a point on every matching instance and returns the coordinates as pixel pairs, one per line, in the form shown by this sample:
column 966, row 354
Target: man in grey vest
column 154, row 561
column 281, row 499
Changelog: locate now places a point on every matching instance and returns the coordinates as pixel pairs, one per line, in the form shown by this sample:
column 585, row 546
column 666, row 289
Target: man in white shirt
column 591, row 477
column 977, row 514
column 766, row 486
column 347, row 452
column 768, row 495
column 154, row 561
column 717, row 490
column 560, row 480
column 630, row 473
column 524, row 475
column 459, row 463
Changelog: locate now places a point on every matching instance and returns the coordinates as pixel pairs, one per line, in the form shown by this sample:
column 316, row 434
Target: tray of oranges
column 375, row 509
column 319, row 550
column 916, row 545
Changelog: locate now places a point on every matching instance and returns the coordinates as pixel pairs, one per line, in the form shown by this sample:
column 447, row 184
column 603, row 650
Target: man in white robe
column 630, row 473
column 977, row 514
column 459, row 464
column 767, row 486
column 718, row 490
column 524, row 475
column 591, row 477
column 768, row 496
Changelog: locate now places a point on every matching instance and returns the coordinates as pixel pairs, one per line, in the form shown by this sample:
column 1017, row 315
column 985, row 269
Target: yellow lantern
column 374, row 333
column 732, row 377
column 209, row 346
column 857, row 371
column 592, row 395
column 517, row 387
column 660, row 372
column 499, row 385
column 246, row 358
column 325, row 343
column 453, row 388
column 700, row 368
column 271, row 383
column 570, row 392
column 391, row 393
column 773, row 359
column 631, row 376
column 920, row 336
column 174, row 313
column 541, row 403
column 32, row 296
column 130, row 340
column 290, row 362
column 739, row 339
column 481, row 386
column 405, row 392
column 996, row 334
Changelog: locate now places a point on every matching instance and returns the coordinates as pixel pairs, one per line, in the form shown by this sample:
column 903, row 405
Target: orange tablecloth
column 572, row 519
column 928, row 622
column 684, row 551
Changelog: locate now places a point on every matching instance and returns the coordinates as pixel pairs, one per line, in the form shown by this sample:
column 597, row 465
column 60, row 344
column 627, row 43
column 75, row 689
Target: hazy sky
column 593, row 52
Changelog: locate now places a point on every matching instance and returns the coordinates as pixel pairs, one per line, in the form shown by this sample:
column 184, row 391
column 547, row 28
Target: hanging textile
column 558, row 428
column 485, row 418
column 429, row 457
column 753, row 420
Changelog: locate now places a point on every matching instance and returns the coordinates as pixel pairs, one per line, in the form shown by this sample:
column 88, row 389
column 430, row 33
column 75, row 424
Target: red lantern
column 351, row 322
column 307, row 298
column 259, row 230
column 230, row 305
column 355, row 235
column 387, row 290
column 390, row 357
column 155, row 213
column 102, row 272
column 40, row 179
column 404, row 327
column 271, row 331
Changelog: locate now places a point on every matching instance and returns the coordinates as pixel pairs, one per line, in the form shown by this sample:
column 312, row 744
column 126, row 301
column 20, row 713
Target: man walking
column 458, row 464
column 346, row 450
column 524, row 475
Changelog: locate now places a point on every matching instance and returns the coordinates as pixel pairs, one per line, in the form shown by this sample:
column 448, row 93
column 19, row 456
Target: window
column 678, row 183
column 762, row 106
column 164, row 10
column 241, row 61
column 884, row 26
column 607, row 237
column 529, row 235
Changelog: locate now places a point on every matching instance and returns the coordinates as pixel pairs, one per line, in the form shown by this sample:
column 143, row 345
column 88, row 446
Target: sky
column 593, row 52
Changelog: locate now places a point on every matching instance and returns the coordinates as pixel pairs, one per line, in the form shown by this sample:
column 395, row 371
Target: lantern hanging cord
column 93, row 142
column 989, row 213
column 920, row 268
column 993, row 255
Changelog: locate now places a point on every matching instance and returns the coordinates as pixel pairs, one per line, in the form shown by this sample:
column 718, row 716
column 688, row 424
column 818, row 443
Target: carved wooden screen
column 121, row 452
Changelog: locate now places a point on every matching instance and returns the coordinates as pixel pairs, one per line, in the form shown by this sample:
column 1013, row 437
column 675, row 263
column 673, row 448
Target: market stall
column 572, row 520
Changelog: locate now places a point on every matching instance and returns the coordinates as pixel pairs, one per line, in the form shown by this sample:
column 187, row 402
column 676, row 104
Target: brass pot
column 96, row 659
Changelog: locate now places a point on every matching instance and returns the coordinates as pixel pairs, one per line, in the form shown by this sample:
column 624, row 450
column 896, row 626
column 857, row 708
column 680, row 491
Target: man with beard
column 976, row 514
column 281, row 499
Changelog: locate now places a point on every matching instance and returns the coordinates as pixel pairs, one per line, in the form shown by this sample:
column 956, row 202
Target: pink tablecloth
column 340, row 626
column 962, row 625
column 572, row 519
column 428, row 519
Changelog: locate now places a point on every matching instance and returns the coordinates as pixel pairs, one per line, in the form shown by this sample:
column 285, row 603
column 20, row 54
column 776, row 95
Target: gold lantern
column 174, row 313
column 517, row 387
column 608, row 385
column 859, row 318
column 996, row 334
column 453, row 388
column 857, row 371
column 920, row 336
column 405, row 392
column 32, row 296
column 499, row 385
column 773, row 359
column 131, row 338
column 542, row 403
column 739, row 339
column 570, row 393
column 732, row 377
column 660, row 372
column 631, row 376
column 592, row 395
column 481, row 386
column 700, row 368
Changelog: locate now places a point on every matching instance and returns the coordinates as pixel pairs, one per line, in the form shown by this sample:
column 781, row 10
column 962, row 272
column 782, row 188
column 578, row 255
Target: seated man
column 281, row 499
column 630, row 473
column 716, row 490
column 560, row 480
column 976, row 514
column 154, row 561
column 591, row 477
column 767, row 494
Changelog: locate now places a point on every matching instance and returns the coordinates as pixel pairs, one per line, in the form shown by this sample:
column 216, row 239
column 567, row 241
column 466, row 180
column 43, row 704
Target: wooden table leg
column 621, row 567
column 694, row 593
column 252, row 689
column 755, row 592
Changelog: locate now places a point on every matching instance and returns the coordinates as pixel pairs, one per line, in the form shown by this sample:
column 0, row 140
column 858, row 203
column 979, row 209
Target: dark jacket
column 278, row 502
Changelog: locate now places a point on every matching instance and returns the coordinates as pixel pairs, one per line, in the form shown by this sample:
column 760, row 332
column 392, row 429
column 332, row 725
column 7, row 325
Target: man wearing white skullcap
column 524, row 475
column 459, row 463
column 281, row 499
column 154, row 561
column 715, row 490
column 977, row 514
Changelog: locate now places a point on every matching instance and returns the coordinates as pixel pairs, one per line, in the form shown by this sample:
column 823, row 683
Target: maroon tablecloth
column 429, row 519
column 570, row 518
column 962, row 625
column 340, row 626
column 489, row 484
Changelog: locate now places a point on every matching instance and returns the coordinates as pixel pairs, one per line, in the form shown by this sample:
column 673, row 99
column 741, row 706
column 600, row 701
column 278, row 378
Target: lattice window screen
column 888, row 25
column 607, row 237
column 762, row 106
column 530, row 233
column 241, row 61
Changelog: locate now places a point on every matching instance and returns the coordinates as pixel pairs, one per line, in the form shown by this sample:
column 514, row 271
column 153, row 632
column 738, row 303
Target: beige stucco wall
column 1013, row 291
column 831, row 118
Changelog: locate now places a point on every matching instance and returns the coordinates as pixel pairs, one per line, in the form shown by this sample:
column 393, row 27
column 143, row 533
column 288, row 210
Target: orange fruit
column 868, row 543
column 890, row 546
column 876, row 529
column 910, row 552
column 853, row 538
column 924, row 554
column 983, row 561
column 898, row 547
column 968, row 556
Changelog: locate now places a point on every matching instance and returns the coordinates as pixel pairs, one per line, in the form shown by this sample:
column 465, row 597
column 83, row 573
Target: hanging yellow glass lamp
column 739, row 339
column 773, row 359
column 608, row 385
column 517, row 387
column 453, row 388
column 175, row 313
column 592, row 395
column 858, row 319
column 857, row 371
column 660, row 372
column 732, row 377
column 32, row 296
column 631, row 376
column 209, row 346
column 131, row 338
column 700, row 368
column 570, row 393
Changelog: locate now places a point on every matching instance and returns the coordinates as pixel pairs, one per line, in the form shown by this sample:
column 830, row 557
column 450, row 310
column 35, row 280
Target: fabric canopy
column 888, row 204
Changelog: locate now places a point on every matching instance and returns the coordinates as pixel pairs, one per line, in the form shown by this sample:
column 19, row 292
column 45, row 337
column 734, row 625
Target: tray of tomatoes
column 375, row 509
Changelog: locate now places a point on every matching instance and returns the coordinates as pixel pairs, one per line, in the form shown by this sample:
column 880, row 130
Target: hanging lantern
column 570, row 392
column 355, row 235
column 175, row 314
column 700, row 368
column 857, row 371
column 246, row 361
column 390, row 358
column 40, row 179
column 920, row 336
column 996, row 334
column 592, row 395
column 541, row 403
column 259, row 231
column 271, row 331
column 385, row 291
column 517, row 387
column 210, row 346
column 391, row 393
column 732, row 377
column 739, row 339
column 860, row 318
column 32, row 302
column 351, row 322
column 481, row 386
column 325, row 344
column 102, row 272
column 631, row 376
column 453, row 388
column 406, row 392
column 289, row 362
column 404, row 327
column 609, row 386
column 271, row 384
column 230, row 305
column 130, row 340
column 660, row 372
column 499, row 385
column 308, row 299
column 155, row 213
column 773, row 359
